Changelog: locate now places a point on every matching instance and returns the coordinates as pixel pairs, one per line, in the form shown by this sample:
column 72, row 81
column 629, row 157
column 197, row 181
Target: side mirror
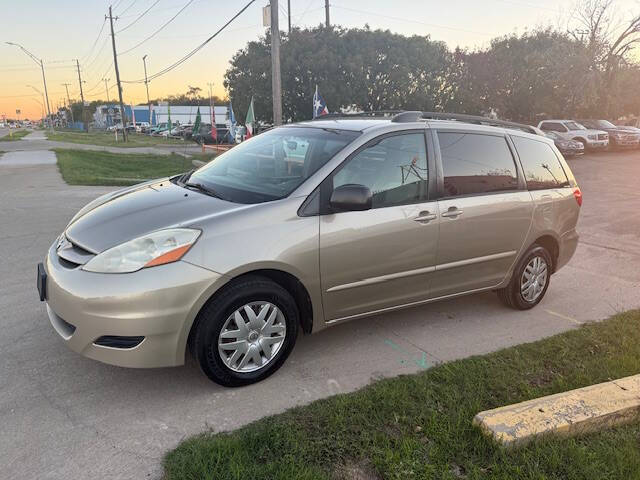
column 351, row 197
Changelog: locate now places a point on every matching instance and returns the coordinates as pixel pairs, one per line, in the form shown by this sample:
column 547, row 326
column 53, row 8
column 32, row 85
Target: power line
column 86, row 57
column 139, row 17
column 195, row 50
column 130, row 5
column 433, row 25
column 158, row 30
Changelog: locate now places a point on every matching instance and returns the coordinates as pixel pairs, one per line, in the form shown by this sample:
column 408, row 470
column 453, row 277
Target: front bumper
column 157, row 303
column 598, row 144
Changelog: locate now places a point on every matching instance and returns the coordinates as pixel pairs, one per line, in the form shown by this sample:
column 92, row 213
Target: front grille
column 115, row 341
column 603, row 136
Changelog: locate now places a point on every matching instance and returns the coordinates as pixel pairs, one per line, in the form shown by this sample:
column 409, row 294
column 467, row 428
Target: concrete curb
column 574, row 412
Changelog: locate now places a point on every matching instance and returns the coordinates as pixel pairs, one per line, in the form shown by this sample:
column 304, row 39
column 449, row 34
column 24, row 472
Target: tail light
column 577, row 194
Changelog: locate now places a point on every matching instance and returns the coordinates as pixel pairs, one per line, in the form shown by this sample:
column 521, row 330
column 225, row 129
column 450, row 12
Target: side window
column 542, row 169
column 553, row 127
column 475, row 163
column 395, row 169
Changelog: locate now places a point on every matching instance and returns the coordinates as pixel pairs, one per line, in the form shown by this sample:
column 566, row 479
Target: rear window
column 475, row 163
column 542, row 169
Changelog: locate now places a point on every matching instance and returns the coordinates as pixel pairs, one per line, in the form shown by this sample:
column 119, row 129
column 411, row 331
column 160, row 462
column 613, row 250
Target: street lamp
column 44, row 80
column 31, row 86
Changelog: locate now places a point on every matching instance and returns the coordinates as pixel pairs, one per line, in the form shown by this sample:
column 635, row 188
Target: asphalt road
column 64, row 416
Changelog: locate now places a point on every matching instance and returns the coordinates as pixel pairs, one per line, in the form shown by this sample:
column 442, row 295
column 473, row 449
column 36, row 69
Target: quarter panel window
column 394, row 169
column 542, row 169
column 475, row 163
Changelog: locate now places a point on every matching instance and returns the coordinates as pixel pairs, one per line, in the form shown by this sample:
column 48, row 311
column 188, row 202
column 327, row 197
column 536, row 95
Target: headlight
column 157, row 248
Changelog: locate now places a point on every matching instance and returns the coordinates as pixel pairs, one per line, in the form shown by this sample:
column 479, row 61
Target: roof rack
column 369, row 114
column 415, row 116
column 407, row 116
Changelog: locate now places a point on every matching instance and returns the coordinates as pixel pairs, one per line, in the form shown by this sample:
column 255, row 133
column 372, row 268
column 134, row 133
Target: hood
column 133, row 212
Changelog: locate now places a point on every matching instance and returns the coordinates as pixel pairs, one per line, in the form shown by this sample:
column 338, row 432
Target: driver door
column 382, row 257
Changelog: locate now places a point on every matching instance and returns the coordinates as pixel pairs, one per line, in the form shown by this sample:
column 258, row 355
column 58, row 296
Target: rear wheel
column 246, row 332
column 530, row 280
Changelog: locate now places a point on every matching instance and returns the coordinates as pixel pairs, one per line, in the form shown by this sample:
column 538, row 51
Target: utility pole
column 86, row 124
column 106, row 87
column 146, row 84
column 115, row 63
column 326, row 12
column 276, row 81
column 289, row 15
column 66, row 86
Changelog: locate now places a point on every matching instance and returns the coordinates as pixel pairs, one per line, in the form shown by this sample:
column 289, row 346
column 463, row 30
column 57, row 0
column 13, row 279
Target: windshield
column 273, row 164
column 605, row 124
column 574, row 126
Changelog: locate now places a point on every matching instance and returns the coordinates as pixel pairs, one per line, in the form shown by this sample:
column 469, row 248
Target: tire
column 512, row 295
column 220, row 315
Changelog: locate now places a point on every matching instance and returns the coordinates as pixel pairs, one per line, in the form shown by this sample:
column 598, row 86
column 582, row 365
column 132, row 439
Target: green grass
column 90, row 167
column 12, row 136
column 109, row 139
column 419, row 426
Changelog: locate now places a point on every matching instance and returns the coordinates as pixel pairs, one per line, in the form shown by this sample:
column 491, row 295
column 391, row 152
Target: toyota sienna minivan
column 306, row 226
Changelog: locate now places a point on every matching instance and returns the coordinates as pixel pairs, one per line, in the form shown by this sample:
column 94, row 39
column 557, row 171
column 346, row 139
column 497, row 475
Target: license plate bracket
column 41, row 282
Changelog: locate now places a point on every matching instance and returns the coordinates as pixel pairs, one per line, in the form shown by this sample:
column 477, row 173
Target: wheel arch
column 286, row 280
column 552, row 245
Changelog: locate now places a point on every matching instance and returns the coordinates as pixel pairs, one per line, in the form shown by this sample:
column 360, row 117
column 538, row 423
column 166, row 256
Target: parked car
column 160, row 129
column 618, row 137
column 306, row 226
column 568, row 148
column 572, row 130
column 223, row 136
column 142, row 127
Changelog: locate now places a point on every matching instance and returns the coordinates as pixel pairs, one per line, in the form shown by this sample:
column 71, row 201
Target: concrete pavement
column 65, row 416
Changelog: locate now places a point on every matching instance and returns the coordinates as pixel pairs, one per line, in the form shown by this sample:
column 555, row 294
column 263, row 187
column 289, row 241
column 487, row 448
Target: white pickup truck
column 572, row 130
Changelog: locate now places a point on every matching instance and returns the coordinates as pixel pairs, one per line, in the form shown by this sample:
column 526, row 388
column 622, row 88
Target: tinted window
column 475, row 163
column 553, row 127
column 542, row 169
column 273, row 164
column 395, row 170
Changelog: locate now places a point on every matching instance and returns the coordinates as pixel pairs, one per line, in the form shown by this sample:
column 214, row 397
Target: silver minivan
column 306, row 226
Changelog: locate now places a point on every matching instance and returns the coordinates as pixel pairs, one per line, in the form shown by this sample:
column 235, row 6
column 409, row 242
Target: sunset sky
column 62, row 31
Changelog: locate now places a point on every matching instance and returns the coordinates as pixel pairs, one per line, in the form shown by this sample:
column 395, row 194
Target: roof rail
column 369, row 114
column 478, row 120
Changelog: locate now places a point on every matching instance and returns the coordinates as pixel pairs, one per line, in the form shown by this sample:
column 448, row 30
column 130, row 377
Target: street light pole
column 276, row 85
column 66, row 86
column 106, row 87
column 44, row 79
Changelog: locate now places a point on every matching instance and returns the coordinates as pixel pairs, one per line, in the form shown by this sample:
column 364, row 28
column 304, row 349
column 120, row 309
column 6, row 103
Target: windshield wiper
column 204, row 189
column 186, row 176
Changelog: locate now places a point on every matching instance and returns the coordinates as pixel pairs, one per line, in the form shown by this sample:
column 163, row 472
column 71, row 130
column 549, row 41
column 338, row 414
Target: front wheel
column 530, row 280
column 246, row 332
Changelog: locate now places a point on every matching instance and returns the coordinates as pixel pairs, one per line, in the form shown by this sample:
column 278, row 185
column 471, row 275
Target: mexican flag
column 196, row 125
column 250, row 120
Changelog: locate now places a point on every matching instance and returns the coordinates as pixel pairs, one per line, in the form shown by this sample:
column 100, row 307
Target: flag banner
column 169, row 118
column 319, row 105
column 214, row 130
column 250, row 120
column 196, row 125
column 232, row 123
column 133, row 116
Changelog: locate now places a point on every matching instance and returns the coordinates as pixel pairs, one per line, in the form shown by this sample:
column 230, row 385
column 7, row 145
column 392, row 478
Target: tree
column 193, row 92
column 609, row 40
column 359, row 69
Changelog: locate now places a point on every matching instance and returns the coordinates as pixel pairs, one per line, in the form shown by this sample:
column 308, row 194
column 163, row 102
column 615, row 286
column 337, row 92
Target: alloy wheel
column 252, row 336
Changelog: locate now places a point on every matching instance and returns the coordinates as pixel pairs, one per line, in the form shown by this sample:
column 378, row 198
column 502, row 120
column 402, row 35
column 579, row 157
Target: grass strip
column 90, row 167
column 419, row 426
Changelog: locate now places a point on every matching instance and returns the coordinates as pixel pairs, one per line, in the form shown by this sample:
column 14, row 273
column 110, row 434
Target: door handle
column 425, row 217
column 453, row 212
